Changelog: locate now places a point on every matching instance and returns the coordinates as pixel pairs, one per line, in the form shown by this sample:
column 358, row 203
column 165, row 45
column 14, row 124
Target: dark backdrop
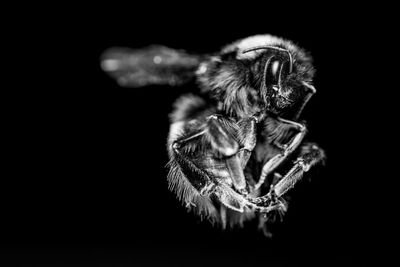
column 87, row 177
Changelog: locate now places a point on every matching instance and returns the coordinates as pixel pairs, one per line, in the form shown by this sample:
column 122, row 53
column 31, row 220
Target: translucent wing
column 153, row 65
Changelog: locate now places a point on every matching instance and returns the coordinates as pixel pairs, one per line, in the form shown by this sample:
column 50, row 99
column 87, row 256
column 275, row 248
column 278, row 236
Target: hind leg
column 208, row 163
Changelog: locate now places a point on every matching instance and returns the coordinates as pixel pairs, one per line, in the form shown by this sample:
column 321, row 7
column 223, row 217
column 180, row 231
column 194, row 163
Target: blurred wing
column 153, row 65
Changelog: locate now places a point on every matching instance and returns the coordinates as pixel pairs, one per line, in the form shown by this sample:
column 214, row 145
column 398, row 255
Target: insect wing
column 153, row 65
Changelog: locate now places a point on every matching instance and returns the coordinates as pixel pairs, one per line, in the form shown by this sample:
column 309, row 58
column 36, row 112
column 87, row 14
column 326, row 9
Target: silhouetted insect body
column 235, row 144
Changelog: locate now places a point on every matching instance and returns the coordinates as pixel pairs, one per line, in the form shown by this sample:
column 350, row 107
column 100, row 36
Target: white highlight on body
column 275, row 66
column 110, row 64
column 229, row 151
column 202, row 69
column 258, row 40
column 157, row 60
column 175, row 130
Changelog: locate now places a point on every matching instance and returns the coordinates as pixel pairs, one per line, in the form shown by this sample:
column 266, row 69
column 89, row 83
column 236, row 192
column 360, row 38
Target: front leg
column 277, row 130
column 310, row 155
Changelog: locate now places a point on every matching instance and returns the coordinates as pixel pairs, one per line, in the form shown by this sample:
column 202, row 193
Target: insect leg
column 193, row 161
column 288, row 148
column 247, row 138
column 191, row 184
column 221, row 135
column 310, row 92
column 310, row 155
column 197, row 177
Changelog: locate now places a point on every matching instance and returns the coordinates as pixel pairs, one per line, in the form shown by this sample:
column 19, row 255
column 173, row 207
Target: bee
column 235, row 142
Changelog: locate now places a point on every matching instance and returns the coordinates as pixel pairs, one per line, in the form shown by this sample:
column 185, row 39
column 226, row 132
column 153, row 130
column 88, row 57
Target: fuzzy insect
column 235, row 145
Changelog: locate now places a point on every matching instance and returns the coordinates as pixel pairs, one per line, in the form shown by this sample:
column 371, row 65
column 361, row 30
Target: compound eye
column 277, row 68
column 286, row 68
column 272, row 72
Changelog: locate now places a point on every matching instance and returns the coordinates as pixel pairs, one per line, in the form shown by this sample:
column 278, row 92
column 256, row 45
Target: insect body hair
column 235, row 77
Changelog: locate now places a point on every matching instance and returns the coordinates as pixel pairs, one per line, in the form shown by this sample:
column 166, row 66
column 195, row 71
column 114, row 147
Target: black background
column 85, row 172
